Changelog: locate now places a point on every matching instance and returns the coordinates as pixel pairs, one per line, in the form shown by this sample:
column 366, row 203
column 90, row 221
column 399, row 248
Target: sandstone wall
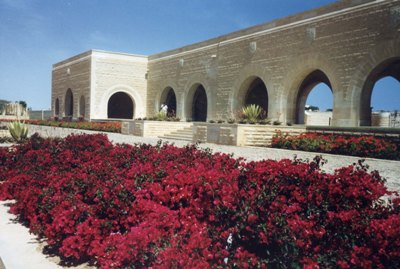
column 117, row 72
column 346, row 41
column 75, row 74
column 93, row 77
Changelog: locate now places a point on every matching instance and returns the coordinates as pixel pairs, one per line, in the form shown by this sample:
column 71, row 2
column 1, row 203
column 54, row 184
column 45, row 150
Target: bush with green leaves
column 161, row 116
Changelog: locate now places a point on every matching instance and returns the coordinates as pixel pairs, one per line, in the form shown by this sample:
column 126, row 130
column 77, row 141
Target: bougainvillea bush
column 142, row 206
column 363, row 146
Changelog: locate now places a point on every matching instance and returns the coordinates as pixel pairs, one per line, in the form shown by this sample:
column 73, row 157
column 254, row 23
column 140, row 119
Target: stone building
column 13, row 111
column 348, row 45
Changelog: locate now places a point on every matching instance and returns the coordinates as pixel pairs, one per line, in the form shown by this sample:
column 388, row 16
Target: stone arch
column 302, row 74
column 388, row 68
column 187, row 97
column 57, row 108
column 120, row 106
column 197, row 103
column 69, row 104
column 368, row 70
column 307, row 85
column 139, row 106
column 253, row 91
column 248, row 78
column 168, row 97
column 82, row 106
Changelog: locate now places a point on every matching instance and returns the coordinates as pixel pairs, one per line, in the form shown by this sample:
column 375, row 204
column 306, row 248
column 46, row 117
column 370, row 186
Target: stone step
column 185, row 134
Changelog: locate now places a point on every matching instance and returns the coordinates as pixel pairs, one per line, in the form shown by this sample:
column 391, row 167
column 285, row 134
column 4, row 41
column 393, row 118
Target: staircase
column 185, row 134
column 258, row 138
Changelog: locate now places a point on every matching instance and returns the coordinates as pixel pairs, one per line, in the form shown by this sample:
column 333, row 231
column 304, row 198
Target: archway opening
column 57, row 108
column 69, row 104
column 169, row 98
column 82, row 107
column 257, row 94
column 315, row 98
column 380, row 98
column 199, row 104
column 120, row 106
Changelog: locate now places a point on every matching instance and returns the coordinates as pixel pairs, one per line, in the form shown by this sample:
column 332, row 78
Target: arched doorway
column 321, row 98
column 57, row 108
column 199, row 104
column 257, row 94
column 169, row 98
column 120, row 106
column 82, row 107
column 69, row 104
column 381, row 91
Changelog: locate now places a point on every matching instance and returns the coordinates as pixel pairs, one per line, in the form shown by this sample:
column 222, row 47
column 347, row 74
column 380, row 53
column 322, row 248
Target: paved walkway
column 19, row 249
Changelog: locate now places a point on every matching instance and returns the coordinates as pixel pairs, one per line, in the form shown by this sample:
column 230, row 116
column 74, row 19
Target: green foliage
column 18, row 130
column 161, row 116
column 252, row 112
column 23, row 104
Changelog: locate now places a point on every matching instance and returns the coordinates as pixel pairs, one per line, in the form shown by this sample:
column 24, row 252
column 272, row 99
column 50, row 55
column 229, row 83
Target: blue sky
column 34, row 34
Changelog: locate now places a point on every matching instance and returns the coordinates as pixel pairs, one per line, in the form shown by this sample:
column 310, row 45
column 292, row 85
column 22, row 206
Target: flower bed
column 362, row 146
column 161, row 206
column 113, row 127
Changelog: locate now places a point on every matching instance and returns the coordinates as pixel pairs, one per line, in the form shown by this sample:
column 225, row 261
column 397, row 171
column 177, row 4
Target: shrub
column 161, row 116
column 142, row 206
column 18, row 130
column 362, row 146
column 114, row 127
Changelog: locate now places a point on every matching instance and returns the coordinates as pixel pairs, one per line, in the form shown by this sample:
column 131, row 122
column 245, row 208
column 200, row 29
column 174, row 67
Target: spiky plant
column 18, row 130
column 252, row 112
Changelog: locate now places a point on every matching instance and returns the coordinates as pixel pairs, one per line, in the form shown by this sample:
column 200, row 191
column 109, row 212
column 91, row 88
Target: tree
column 23, row 104
column 311, row 108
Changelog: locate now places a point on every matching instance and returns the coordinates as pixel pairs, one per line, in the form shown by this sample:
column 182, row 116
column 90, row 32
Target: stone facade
column 13, row 111
column 348, row 45
column 93, row 78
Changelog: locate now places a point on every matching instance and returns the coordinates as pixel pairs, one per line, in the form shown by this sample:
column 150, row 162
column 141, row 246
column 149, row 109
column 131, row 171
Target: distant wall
column 40, row 114
column 378, row 119
column 318, row 118
column 386, row 119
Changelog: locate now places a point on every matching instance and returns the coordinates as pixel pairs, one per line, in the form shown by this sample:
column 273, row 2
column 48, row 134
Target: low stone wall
column 152, row 128
column 50, row 131
column 13, row 117
column 40, row 114
column 240, row 134
column 223, row 134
